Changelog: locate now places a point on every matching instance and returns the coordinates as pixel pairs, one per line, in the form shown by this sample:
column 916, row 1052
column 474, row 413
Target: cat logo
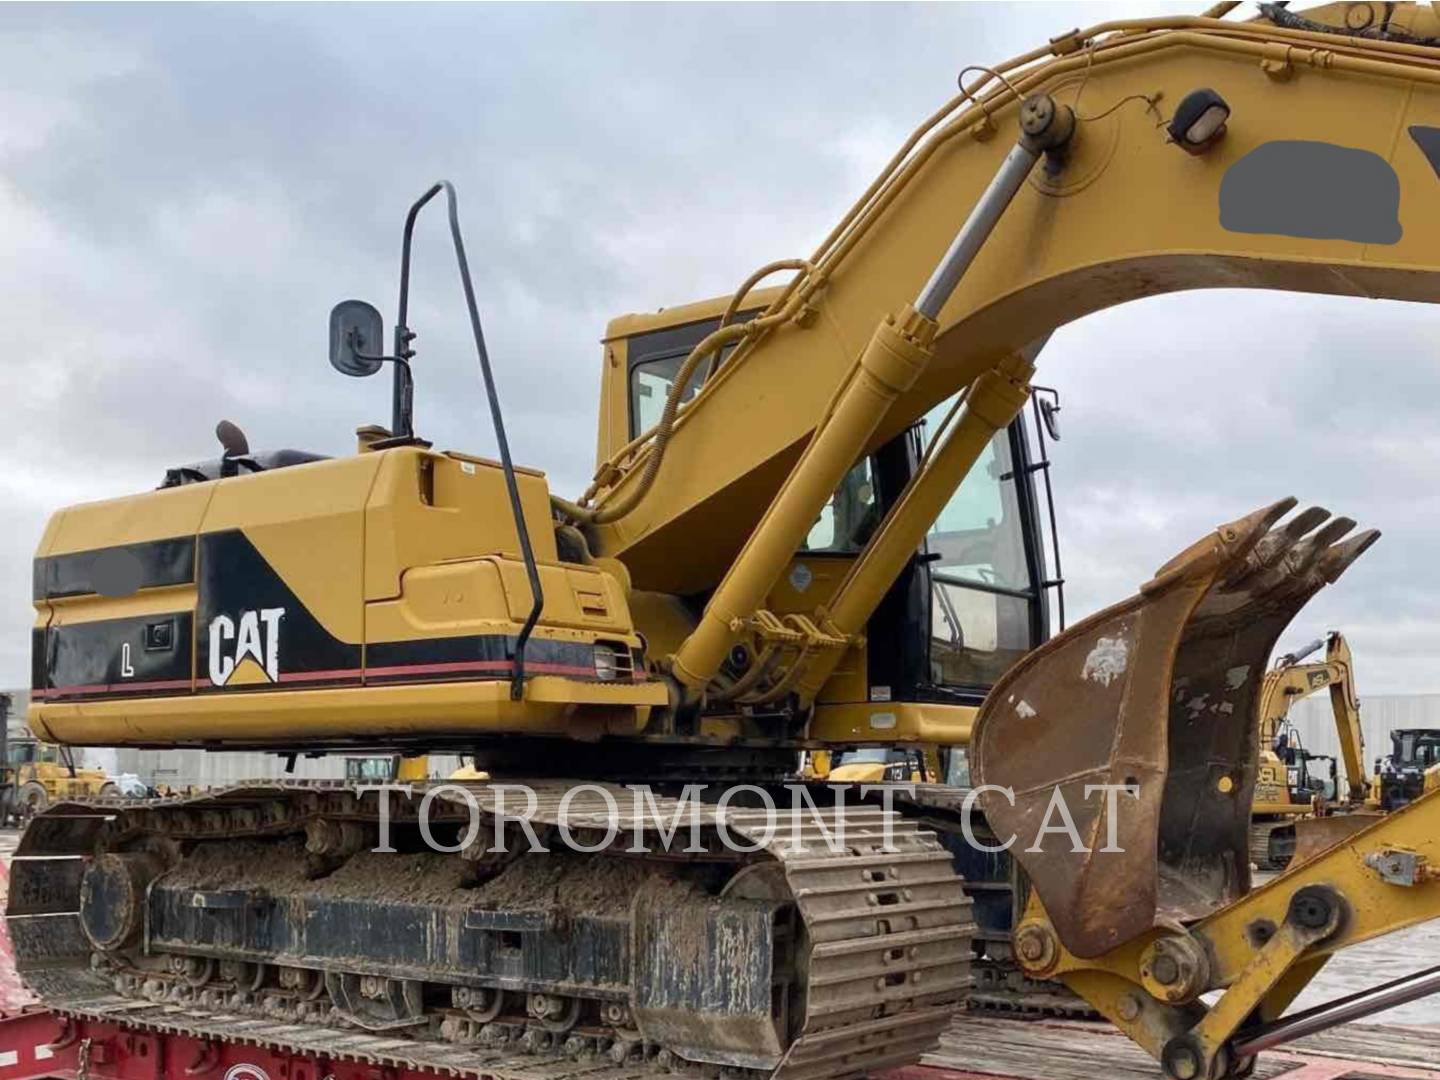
column 246, row 651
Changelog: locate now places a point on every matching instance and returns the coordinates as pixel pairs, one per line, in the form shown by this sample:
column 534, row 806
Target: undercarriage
column 840, row 944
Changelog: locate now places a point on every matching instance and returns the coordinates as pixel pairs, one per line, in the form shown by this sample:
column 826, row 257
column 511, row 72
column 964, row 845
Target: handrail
column 403, row 336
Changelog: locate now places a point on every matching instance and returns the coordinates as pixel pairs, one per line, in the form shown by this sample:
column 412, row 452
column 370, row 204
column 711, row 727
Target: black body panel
column 147, row 654
column 235, row 581
column 156, row 562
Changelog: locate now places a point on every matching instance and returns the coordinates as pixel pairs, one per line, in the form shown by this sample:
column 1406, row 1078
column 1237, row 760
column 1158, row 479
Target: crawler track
column 1263, row 850
column 870, row 953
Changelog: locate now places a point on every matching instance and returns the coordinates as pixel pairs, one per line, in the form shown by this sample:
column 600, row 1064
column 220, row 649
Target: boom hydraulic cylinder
column 896, row 355
column 994, row 400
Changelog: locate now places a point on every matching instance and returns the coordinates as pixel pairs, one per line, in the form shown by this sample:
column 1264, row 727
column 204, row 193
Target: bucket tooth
column 1158, row 693
column 1307, row 551
column 1273, row 547
column 1230, row 546
column 1338, row 558
column 1300, row 574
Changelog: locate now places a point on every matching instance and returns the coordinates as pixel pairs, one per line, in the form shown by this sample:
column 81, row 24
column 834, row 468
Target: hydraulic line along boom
column 896, row 356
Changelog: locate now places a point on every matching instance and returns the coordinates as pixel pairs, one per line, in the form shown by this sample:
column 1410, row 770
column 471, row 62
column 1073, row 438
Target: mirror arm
column 404, row 383
column 402, row 421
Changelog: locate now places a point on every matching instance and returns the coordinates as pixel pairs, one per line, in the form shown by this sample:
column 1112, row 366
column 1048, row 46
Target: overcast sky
column 185, row 191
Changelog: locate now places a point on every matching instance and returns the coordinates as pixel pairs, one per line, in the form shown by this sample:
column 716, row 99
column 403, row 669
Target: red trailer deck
column 37, row 1045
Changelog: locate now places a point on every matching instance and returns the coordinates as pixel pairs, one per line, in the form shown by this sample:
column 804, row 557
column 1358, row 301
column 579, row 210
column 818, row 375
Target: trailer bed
column 38, row 1044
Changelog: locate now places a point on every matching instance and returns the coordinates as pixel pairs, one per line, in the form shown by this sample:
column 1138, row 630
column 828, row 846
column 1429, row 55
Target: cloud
column 186, row 191
column 1176, row 421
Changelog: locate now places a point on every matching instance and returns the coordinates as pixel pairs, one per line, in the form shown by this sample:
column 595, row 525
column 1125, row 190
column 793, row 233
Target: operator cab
column 974, row 600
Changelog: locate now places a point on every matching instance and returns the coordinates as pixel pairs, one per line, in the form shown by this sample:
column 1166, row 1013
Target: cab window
column 652, row 378
column 378, row 770
column 650, row 383
column 22, row 753
column 982, row 588
column 849, row 518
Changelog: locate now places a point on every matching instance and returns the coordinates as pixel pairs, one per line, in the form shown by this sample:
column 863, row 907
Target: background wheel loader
column 36, row 774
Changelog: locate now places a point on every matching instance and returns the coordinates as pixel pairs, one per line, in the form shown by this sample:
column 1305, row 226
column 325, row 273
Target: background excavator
column 776, row 555
column 1294, row 787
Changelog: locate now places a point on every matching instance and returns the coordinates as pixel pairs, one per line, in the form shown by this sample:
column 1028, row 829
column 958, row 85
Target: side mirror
column 1047, row 405
column 1050, row 415
column 357, row 336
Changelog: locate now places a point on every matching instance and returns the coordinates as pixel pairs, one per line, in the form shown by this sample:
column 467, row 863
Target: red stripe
column 450, row 667
column 318, row 676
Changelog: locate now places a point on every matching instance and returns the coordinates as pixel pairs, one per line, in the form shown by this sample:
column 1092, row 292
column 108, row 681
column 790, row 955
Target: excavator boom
column 1302, row 193
column 1229, row 152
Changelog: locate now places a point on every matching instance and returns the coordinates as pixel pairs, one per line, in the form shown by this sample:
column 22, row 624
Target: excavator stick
column 1148, row 710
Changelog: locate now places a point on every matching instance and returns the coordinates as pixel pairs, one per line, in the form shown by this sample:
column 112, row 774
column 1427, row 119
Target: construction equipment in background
column 402, row 769
column 776, row 555
column 1411, row 769
column 885, row 764
column 387, row 769
column 35, row 774
column 1289, row 791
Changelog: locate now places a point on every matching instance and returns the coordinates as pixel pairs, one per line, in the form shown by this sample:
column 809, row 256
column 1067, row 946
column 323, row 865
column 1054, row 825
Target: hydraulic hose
column 710, row 346
column 619, row 507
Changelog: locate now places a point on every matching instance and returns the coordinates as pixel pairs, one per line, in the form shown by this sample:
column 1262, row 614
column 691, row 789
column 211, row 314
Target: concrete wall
column 1379, row 715
column 202, row 768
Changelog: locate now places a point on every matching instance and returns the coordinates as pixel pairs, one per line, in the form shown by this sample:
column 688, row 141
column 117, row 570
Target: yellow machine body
column 364, row 599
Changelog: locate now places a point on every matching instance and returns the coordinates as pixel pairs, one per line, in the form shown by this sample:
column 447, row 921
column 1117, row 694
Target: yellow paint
column 248, row 673
column 426, row 714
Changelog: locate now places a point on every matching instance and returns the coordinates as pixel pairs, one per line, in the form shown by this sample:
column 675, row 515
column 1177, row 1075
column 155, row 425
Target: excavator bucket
column 1137, row 814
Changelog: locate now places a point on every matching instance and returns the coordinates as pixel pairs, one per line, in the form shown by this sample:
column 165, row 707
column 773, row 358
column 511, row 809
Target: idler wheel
column 195, row 971
column 243, row 975
column 112, row 897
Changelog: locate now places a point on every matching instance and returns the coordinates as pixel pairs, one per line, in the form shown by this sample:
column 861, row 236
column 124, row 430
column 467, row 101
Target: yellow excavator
column 1291, row 797
column 815, row 525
